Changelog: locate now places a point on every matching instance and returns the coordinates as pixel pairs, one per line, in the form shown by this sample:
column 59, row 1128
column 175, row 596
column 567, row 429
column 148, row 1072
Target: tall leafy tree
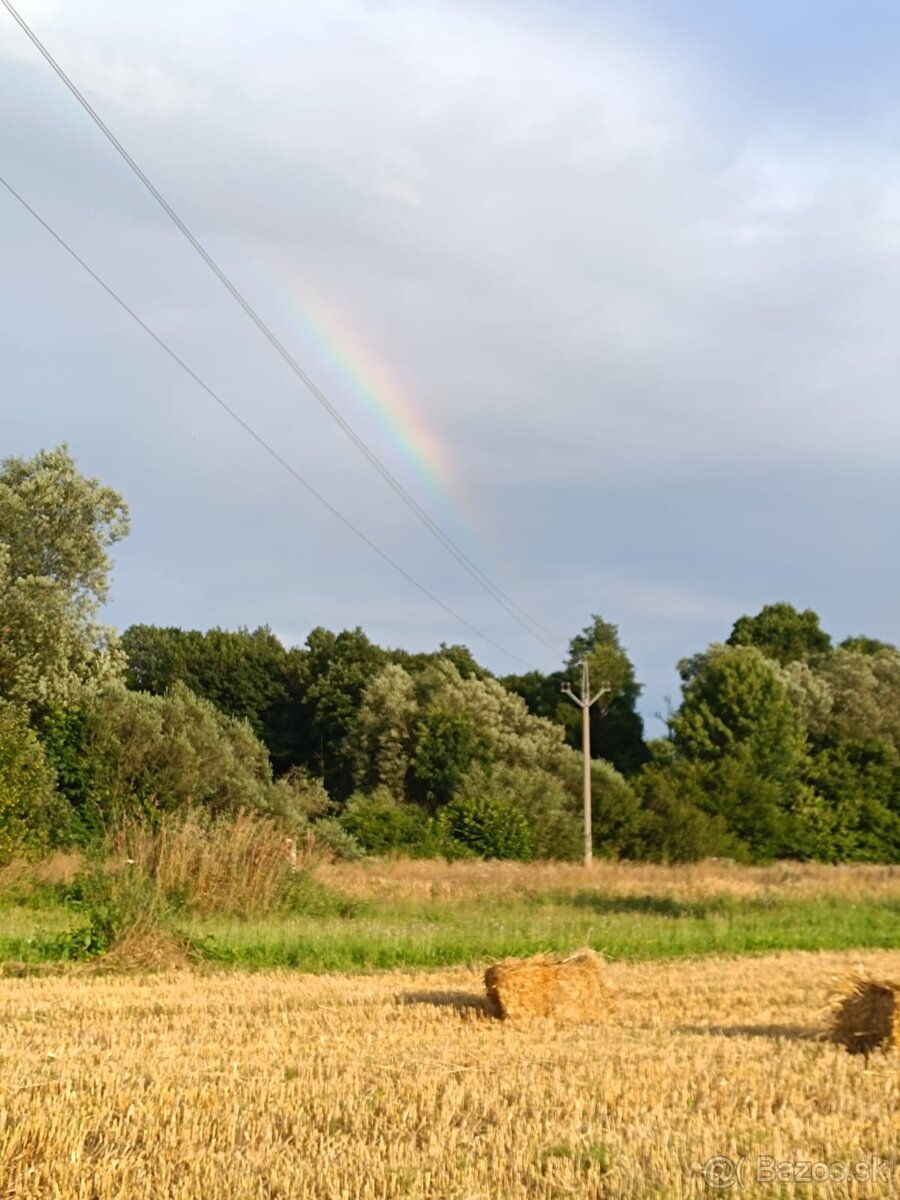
column 782, row 633
column 56, row 529
column 338, row 669
column 617, row 730
column 249, row 675
column 739, row 730
column 447, row 746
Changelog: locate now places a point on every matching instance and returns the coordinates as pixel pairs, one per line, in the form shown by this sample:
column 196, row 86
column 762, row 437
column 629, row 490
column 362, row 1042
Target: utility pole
column 586, row 702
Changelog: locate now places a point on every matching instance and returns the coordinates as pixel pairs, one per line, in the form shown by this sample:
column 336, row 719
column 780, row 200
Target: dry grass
column 297, row 1088
column 20, row 875
column 864, row 1013
column 404, row 879
column 238, row 865
column 563, row 988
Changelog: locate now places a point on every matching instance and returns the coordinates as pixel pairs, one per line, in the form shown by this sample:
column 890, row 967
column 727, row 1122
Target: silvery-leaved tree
column 56, row 527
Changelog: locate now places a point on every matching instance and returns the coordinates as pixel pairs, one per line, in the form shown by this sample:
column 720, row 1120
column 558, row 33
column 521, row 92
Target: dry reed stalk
column 864, row 1013
column 565, row 988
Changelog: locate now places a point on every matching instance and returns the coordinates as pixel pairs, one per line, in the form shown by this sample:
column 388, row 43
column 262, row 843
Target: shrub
column 113, row 904
column 487, row 826
column 139, row 879
column 554, row 825
column 673, row 827
column 206, row 864
column 380, row 824
column 130, row 754
column 332, row 838
column 32, row 817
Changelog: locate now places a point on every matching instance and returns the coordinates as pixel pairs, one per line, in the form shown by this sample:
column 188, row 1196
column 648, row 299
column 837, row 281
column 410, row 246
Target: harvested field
column 403, row 1085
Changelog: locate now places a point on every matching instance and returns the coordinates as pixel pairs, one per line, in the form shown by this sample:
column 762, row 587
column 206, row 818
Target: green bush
column 673, row 828
column 382, row 825
column 553, row 823
column 32, row 816
column 130, row 754
column 488, row 827
column 330, row 835
column 111, row 905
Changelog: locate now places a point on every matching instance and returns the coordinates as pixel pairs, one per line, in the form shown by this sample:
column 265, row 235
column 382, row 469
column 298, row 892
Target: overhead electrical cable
column 519, row 614
column 248, row 429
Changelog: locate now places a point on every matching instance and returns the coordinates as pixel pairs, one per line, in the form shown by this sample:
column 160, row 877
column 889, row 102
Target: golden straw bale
column 864, row 1013
column 561, row 987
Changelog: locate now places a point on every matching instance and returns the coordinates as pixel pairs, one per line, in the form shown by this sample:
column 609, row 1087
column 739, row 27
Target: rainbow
column 355, row 362
column 354, row 377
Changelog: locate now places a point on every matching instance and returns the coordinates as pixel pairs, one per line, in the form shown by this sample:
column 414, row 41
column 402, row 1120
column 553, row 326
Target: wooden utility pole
column 586, row 702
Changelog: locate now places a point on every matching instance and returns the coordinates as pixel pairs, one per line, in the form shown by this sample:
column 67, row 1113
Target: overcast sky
column 626, row 274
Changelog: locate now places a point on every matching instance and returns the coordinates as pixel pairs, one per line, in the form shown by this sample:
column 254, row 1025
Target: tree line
column 783, row 744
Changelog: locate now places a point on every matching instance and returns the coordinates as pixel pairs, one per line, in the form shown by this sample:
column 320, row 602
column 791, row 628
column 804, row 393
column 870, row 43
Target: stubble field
column 281, row 1085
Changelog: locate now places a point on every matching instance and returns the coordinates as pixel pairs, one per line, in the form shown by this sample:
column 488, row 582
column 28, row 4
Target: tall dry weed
column 237, row 865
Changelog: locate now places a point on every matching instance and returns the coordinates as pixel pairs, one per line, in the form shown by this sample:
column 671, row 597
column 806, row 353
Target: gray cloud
column 643, row 299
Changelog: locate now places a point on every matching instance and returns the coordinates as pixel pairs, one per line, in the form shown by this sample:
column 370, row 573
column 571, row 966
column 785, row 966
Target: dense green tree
column 859, row 784
column 461, row 657
column 447, row 746
column 56, row 527
column 675, row 825
column 782, row 633
column 249, row 675
column 739, row 729
column 552, row 813
column 338, row 669
column 866, row 645
column 380, row 746
column 482, row 741
column 737, row 699
column 864, row 690
column 63, row 733
column 617, row 730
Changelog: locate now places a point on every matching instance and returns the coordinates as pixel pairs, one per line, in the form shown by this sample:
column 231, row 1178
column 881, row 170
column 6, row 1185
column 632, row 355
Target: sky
column 611, row 288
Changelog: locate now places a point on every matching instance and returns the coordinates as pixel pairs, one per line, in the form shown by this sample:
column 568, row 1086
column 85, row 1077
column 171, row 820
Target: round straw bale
column 864, row 1013
column 561, row 987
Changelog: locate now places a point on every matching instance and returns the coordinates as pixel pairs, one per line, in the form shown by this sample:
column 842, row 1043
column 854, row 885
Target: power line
column 248, row 429
column 519, row 614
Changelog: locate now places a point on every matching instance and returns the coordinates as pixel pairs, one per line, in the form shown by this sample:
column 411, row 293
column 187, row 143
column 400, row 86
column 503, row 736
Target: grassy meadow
column 384, row 915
